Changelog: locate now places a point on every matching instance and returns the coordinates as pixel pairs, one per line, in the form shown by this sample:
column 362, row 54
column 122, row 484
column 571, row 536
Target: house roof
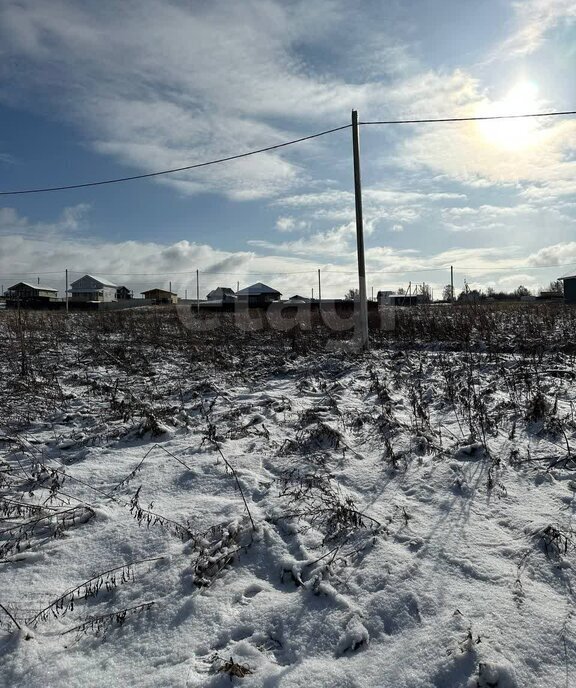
column 297, row 297
column 219, row 292
column 163, row 291
column 100, row 280
column 41, row 287
column 567, row 277
column 256, row 290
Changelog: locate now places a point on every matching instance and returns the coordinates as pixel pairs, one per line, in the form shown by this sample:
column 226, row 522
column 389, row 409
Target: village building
column 258, row 294
column 90, row 289
column 383, row 298
column 30, row 294
column 222, row 295
column 299, row 299
column 569, row 288
column 123, row 294
column 550, row 296
column 160, row 296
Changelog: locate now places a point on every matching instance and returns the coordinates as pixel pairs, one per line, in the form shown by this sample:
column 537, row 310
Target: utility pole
column 237, row 287
column 66, row 290
column 360, row 233
column 170, row 289
column 38, row 281
column 319, row 287
column 185, row 294
column 452, row 283
column 197, row 291
column 312, row 293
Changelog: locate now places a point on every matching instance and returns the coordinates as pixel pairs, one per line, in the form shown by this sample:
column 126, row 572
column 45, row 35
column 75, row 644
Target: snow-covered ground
column 269, row 513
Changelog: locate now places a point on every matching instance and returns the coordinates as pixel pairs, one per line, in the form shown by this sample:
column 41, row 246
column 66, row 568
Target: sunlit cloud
column 534, row 20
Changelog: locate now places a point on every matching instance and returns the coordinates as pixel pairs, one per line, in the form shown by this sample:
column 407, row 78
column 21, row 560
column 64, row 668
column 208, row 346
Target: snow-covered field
column 198, row 509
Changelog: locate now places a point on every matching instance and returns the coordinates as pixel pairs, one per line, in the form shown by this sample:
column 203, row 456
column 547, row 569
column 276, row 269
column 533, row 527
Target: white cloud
column 510, row 218
column 549, row 191
column 396, row 207
column 290, row 224
column 28, row 249
column 162, row 84
column 332, row 243
column 71, row 219
column 534, row 20
column 373, row 195
column 466, row 156
column 482, row 154
column 557, row 254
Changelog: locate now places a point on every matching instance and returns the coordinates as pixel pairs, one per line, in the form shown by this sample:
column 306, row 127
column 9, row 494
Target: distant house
column 160, row 296
column 222, row 294
column 383, row 298
column 91, row 288
column 257, row 295
column 405, row 299
column 123, row 294
column 569, row 288
column 299, row 299
column 550, row 296
column 27, row 293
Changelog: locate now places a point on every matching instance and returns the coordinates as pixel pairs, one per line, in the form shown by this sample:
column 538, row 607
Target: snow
column 325, row 519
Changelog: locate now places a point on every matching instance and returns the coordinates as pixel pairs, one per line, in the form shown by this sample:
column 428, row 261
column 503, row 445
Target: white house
column 91, row 288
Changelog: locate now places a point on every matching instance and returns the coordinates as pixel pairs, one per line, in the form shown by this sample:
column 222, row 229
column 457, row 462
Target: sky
column 97, row 89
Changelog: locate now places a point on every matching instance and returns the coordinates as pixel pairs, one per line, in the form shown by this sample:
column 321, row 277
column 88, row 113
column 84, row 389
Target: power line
column 325, row 271
column 429, row 120
column 515, row 267
column 176, row 169
column 462, row 268
column 187, row 272
column 433, row 120
column 385, row 272
column 32, row 274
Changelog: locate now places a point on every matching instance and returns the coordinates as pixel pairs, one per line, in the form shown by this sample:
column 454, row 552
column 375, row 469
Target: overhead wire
column 238, row 156
column 194, row 166
column 324, row 271
column 479, row 118
column 429, row 120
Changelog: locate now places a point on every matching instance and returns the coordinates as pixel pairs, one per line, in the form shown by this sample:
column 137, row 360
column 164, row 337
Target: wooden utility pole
column 197, row 291
column 360, row 233
column 66, row 290
column 452, row 283
column 319, row 287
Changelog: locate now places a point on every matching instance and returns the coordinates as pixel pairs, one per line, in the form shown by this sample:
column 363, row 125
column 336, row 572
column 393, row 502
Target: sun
column 513, row 134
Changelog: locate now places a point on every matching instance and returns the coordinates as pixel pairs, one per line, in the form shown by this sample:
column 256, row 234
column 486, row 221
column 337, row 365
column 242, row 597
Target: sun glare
column 514, row 134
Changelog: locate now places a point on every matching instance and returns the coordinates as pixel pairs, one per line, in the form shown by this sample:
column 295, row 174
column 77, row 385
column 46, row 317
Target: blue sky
column 92, row 90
